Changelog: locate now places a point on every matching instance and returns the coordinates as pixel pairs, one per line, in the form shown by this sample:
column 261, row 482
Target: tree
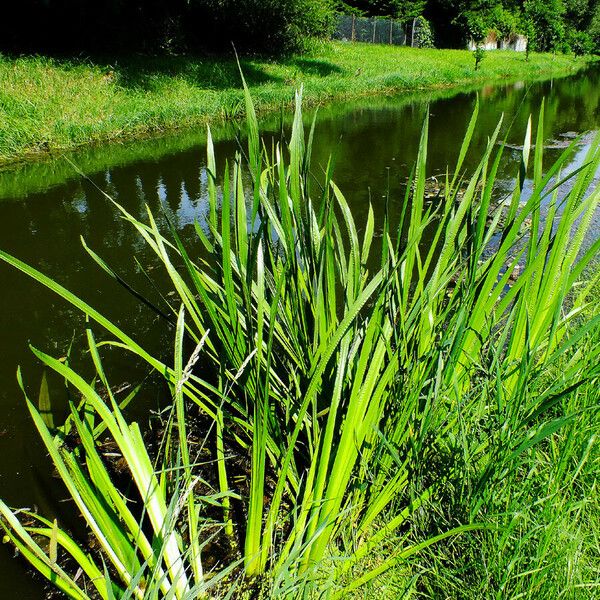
column 547, row 19
column 457, row 21
column 398, row 9
column 120, row 26
column 594, row 28
column 266, row 26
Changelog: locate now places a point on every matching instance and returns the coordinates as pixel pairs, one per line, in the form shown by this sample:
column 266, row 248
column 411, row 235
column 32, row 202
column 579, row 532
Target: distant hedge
column 265, row 26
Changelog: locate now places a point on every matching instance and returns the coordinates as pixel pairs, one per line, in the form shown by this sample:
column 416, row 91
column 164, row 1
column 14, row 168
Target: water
column 46, row 207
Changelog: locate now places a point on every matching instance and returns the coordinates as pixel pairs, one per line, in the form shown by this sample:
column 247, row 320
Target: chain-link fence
column 351, row 28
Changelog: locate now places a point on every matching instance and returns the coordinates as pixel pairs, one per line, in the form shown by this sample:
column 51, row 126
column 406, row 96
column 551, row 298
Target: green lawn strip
column 57, row 104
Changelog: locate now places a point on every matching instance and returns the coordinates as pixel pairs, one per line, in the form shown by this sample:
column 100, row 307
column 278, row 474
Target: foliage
column 476, row 26
column 580, row 42
column 547, row 19
column 579, row 13
column 272, row 27
column 269, row 26
column 528, row 29
column 505, row 22
column 478, row 55
column 423, row 33
column 458, row 21
column 103, row 25
column 114, row 26
column 404, row 10
column 594, row 27
column 348, row 9
column 547, row 24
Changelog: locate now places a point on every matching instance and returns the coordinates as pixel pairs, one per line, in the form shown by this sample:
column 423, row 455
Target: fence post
column 374, row 27
column 391, row 30
column 353, row 28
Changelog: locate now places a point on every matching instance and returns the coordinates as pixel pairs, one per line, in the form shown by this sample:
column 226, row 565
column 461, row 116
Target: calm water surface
column 46, row 207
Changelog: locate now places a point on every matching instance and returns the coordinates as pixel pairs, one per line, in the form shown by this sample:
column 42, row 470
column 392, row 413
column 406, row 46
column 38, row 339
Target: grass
column 546, row 508
column 339, row 394
column 51, row 105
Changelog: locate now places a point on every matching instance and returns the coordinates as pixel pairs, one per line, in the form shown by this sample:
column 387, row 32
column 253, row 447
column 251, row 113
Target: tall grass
column 341, row 363
column 542, row 499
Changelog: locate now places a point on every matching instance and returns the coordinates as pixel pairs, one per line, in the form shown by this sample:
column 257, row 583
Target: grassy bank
column 51, row 105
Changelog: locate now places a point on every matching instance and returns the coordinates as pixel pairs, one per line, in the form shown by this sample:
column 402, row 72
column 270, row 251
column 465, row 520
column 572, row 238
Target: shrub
column 546, row 18
column 581, row 42
column 266, row 26
column 478, row 55
column 423, row 33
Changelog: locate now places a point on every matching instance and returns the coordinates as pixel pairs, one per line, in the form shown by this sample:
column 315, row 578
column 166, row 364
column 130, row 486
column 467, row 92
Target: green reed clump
column 341, row 364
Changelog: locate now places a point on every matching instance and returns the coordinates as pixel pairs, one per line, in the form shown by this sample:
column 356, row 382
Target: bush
column 478, row 55
column 423, row 33
column 546, row 18
column 581, row 42
column 266, row 26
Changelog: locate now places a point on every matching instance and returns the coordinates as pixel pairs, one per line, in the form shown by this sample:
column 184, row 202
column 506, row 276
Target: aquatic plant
column 329, row 360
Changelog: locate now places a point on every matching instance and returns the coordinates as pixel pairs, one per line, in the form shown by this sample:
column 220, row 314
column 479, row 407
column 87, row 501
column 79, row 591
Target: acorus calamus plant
column 329, row 357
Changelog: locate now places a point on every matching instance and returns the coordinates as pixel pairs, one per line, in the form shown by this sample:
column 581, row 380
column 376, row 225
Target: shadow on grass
column 213, row 73
column 147, row 73
column 152, row 73
column 314, row 66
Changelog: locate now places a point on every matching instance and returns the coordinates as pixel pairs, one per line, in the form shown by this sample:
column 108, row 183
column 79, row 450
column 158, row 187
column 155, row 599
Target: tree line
column 279, row 26
column 75, row 26
column 550, row 25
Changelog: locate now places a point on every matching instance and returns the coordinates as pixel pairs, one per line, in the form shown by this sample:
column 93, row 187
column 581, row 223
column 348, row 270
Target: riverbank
column 51, row 105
